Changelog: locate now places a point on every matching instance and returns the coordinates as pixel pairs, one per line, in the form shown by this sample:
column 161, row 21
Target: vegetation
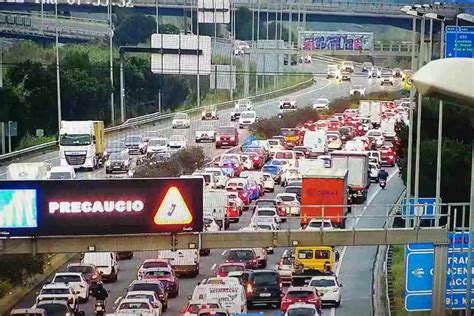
column 16, row 269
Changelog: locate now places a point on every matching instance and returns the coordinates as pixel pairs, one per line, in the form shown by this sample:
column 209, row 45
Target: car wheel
column 337, row 304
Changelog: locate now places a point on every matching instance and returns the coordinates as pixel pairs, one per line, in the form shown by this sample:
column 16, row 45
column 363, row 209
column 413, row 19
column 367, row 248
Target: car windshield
column 66, row 278
column 322, row 283
column 288, row 132
column 181, row 116
column 269, row 278
column 145, row 287
column 159, row 273
column 248, row 115
column 286, row 198
column 344, row 130
column 265, row 227
column 299, row 294
column 265, row 213
column 282, row 155
column 274, row 142
column 59, row 176
column 81, row 269
column 157, row 142
column 134, row 305
column 317, row 224
column 321, row 101
column 232, row 268
column 226, row 130
column 143, row 296
column 133, row 139
column 332, row 138
column 296, row 190
column 374, row 134
column 75, row 140
column 115, row 146
column 241, row 255
column 301, row 311
column 279, row 162
column 154, row 264
column 52, row 309
column 265, row 203
column 55, row 291
column 119, row 156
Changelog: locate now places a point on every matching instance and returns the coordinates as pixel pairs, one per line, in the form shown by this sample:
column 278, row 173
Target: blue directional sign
column 457, row 300
column 415, row 302
column 459, row 42
column 428, row 205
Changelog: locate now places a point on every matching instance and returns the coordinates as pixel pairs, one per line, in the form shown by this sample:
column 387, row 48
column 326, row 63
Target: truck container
column 82, row 144
column 326, row 188
column 28, row 171
column 358, row 178
column 372, row 110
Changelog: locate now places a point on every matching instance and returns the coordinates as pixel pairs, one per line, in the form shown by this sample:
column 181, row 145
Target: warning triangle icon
column 173, row 209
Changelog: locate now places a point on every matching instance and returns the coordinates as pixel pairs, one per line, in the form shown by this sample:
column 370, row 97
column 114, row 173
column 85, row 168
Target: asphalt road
column 355, row 268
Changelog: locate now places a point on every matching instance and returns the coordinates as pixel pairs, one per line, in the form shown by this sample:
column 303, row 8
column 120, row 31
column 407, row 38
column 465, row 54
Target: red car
column 166, row 276
column 233, row 211
column 194, row 307
column 257, row 160
column 246, row 256
column 227, row 136
column 388, row 155
column 358, row 126
column 231, row 164
column 223, row 269
column 241, row 187
column 322, row 124
column 300, row 294
column 152, row 263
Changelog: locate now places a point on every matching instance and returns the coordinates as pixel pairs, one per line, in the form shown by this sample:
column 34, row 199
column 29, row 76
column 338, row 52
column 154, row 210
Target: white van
column 230, row 297
column 316, row 141
column 185, row 262
column 28, row 171
column 62, row 173
column 388, row 128
column 106, row 263
column 215, row 202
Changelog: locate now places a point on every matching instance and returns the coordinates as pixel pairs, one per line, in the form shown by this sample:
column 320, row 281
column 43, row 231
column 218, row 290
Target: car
column 358, row 91
column 294, row 189
column 135, row 144
column 388, row 155
column 284, row 267
column 193, row 307
column 290, row 202
column 283, row 164
column 157, row 145
column 181, row 120
column 347, row 133
column 302, row 309
column 332, row 71
column 247, row 118
column 241, row 106
column 177, row 142
column 334, row 141
column 246, row 161
column 152, row 263
column 206, row 133
column 227, row 136
column 219, row 176
column 62, row 173
column 151, row 134
column 346, row 75
column 386, row 78
column 265, row 288
column 223, row 269
column 115, row 146
column 77, row 281
column 247, row 256
column 140, row 306
column 374, row 170
column 167, row 277
column 274, row 170
column 367, row 67
column 271, row 203
column 230, row 168
column 376, row 136
column 234, row 197
column 60, row 292
column 334, row 124
column 319, row 224
column 240, row 186
column 264, row 212
column 397, row 73
column 321, row 104
column 58, row 307
column 256, row 159
column 348, row 66
column 151, row 285
column 300, row 294
column 268, row 182
column 118, row 162
column 329, row 287
column 150, row 296
column 282, row 112
column 288, row 103
column 89, row 271
column 209, row 113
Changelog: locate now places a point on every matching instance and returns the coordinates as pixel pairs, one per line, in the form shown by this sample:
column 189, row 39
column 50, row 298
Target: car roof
column 324, row 277
column 300, row 288
column 134, row 300
column 300, row 304
column 56, row 285
column 141, row 293
column 67, row 273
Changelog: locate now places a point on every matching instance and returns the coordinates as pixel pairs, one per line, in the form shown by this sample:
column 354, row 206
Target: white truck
column 215, row 202
column 317, row 142
column 82, row 144
column 358, row 179
column 185, row 262
column 28, row 171
column 306, row 165
column 371, row 110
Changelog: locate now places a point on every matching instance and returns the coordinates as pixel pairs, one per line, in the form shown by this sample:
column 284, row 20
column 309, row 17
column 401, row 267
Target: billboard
column 100, row 207
column 319, row 40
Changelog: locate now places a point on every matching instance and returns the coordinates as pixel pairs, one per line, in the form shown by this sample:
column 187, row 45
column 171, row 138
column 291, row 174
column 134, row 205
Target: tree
column 243, row 22
column 134, row 29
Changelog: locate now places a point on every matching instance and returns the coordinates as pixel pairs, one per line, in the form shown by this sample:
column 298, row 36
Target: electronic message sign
column 100, row 207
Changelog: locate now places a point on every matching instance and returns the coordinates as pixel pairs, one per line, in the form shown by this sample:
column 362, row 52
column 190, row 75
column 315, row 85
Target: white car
column 321, row 104
column 219, row 176
column 318, row 224
column 177, row 142
column 140, row 306
column 329, row 286
column 285, row 267
column 234, row 196
column 181, row 120
column 377, row 136
column 358, row 90
column 290, row 202
column 386, row 78
column 374, row 170
column 58, row 291
column 157, row 145
column 206, row 133
column 247, row 162
column 268, row 182
column 62, row 173
column 334, row 141
column 375, row 73
column 149, row 295
column 209, row 113
column 348, row 65
column 262, row 212
column 288, row 104
column 247, row 118
column 76, row 281
column 298, row 309
column 332, row 71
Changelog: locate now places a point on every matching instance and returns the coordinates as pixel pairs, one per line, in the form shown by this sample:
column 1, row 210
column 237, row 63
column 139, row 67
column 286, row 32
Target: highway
column 355, row 267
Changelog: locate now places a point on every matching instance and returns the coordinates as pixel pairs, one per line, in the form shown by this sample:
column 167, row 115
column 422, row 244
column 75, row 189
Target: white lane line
column 343, row 251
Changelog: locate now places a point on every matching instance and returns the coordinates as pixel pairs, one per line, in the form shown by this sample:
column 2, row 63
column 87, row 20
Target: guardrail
column 145, row 119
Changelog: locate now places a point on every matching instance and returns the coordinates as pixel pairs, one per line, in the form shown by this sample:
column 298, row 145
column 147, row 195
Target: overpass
column 305, row 10
column 35, row 26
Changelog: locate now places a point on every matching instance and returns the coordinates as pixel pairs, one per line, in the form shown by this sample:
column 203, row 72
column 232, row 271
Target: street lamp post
column 58, row 83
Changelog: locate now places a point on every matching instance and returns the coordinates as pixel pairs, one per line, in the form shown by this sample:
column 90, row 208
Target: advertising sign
column 100, row 207
column 315, row 40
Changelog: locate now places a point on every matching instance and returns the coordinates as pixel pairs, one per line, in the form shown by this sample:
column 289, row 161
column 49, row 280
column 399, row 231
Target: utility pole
column 418, row 119
column 58, row 82
column 112, row 105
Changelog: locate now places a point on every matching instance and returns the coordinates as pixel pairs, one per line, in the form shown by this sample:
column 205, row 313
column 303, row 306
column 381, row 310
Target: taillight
column 249, row 288
column 286, row 301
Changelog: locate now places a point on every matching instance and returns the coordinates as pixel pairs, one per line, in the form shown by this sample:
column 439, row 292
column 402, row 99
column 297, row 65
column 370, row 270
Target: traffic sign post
column 459, row 41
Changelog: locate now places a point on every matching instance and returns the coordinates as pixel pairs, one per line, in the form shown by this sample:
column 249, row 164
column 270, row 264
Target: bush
column 183, row 162
column 5, row 287
column 15, row 268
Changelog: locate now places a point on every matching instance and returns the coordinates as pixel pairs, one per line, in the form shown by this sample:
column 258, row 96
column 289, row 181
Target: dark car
column 227, row 136
column 347, row 133
column 294, row 189
column 112, row 147
column 151, row 285
column 266, row 288
column 167, row 276
column 121, row 255
column 135, row 144
column 58, row 308
column 89, row 271
column 243, row 255
column 118, row 162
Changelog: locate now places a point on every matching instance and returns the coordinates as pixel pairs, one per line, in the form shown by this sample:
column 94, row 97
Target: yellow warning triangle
column 173, row 210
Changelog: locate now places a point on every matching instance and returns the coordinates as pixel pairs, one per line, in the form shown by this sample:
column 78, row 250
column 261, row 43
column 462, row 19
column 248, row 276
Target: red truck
column 326, row 188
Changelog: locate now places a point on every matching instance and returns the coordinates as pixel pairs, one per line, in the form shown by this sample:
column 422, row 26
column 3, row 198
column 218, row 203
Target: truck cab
column 241, row 106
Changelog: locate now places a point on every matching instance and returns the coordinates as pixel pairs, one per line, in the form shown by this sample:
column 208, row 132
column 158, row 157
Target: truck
column 82, row 144
column 185, row 262
column 388, row 128
column 358, row 178
column 326, row 188
column 371, row 110
column 316, row 141
column 28, row 171
column 305, row 166
column 215, row 202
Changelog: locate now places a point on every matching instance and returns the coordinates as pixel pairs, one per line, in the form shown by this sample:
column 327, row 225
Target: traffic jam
column 302, row 178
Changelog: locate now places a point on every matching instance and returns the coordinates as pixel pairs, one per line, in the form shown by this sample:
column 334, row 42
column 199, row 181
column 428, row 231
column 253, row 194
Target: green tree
column 243, row 22
column 133, row 29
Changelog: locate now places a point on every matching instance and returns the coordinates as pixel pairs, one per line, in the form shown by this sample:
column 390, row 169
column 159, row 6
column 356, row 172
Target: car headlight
column 107, row 163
